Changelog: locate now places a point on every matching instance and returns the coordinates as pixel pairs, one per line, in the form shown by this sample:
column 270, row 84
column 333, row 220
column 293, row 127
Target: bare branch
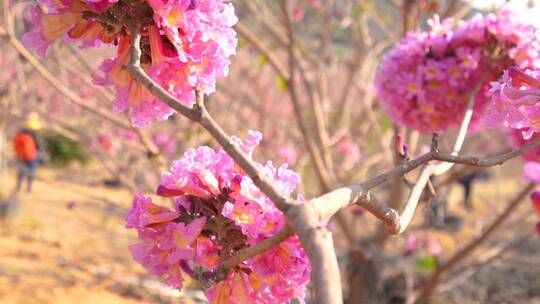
column 260, row 248
column 486, row 162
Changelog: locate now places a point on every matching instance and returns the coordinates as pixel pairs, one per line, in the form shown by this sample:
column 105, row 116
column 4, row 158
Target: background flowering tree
column 247, row 231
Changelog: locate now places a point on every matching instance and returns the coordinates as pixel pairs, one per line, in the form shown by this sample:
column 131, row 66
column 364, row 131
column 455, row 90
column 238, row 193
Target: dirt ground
column 68, row 244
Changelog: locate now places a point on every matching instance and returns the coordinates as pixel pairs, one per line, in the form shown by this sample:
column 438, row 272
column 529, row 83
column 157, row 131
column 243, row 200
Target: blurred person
column 28, row 148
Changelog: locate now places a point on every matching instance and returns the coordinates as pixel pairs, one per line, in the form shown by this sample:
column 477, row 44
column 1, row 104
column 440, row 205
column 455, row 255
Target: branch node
column 392, row 223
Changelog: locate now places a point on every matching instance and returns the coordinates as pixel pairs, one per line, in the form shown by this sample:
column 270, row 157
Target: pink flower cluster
column 218, row 212
column 430, row 244
column 425, row 82
column 288, row 153
column 165, row 143
column 185, row 44
column 516, row 101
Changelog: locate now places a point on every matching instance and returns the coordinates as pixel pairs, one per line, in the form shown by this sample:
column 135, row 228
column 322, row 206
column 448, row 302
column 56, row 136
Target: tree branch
column 260, row 248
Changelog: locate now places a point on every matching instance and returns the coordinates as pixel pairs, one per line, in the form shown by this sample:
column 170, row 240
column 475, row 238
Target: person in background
column 28, row 147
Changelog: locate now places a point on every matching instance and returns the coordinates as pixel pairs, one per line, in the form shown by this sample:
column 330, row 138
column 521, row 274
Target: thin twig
column 261, row 247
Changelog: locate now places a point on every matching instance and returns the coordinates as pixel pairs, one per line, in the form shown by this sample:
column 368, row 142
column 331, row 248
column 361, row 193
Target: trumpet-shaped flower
column 516, row 101
column 218, row 212
column 65, row 19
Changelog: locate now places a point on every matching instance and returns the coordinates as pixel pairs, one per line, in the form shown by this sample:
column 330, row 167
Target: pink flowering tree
column 251, row 231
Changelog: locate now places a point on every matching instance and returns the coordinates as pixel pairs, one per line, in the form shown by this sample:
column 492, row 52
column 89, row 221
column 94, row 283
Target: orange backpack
column 25, row 146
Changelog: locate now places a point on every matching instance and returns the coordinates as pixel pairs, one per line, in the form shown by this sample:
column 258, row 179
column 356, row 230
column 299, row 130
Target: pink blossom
column 165, row 244
column 181, row 237
column 64, row 19
column 220, row 211
column 411, row 245
column 127, row 135
column 433, row 246
column 531, row 171
column 145, row 213
column 358, row 210
column 350, row 152
column 165, row 143
column 106, row 144
column 425, row 82
column 236, row 289
column 430, row 244
column 401, row 147
column 207, row 254
column 129, row 92
column 288, row 154
column 516, row 101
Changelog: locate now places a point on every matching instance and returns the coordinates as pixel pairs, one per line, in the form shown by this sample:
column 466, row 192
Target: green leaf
column 261, row 60
column 282, row 84
column 242, row 42
column 428, row 263
column 385, row 122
